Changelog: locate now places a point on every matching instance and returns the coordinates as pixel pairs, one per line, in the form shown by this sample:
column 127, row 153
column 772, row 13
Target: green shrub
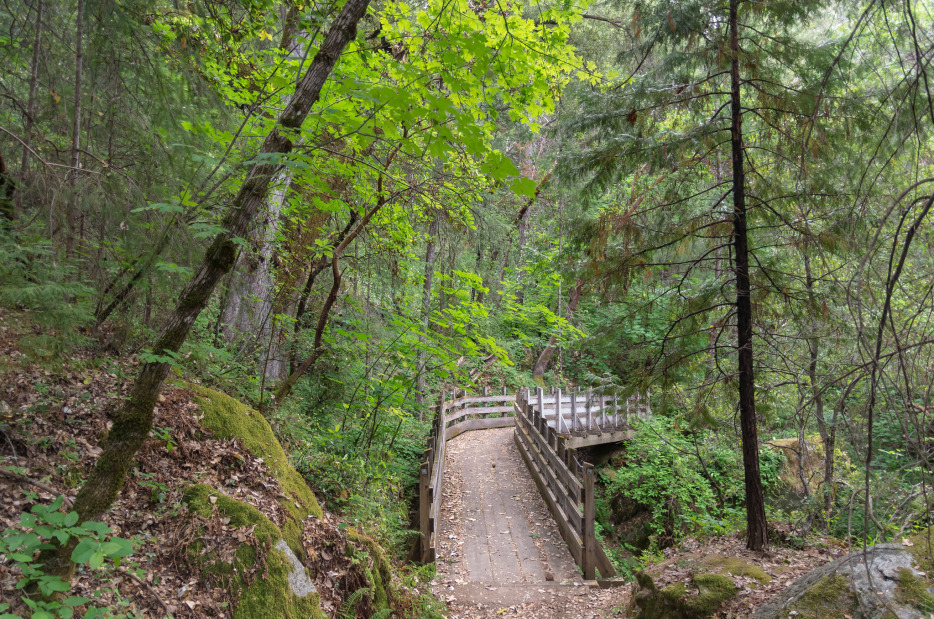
column 42, row 528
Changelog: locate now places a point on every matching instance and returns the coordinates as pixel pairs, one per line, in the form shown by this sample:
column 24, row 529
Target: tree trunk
column 133, row 422
column 756, row 525
column 319, row 264
column 71, row 217
column 544, row 359
column 827, row 434
column 7, row 188
column 430, row 256
column 30, row 106
column 299, row 371
column 249, row 301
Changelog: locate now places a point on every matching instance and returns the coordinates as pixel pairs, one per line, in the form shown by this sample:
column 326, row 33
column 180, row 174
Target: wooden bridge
column 549, row 428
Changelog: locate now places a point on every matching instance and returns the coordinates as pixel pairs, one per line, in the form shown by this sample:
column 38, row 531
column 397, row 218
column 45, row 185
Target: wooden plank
column 568, row 504
column 569, row 535
column 610, row 436
column 507, row 399
column 423, row 511
column 479, row 424
column 588, row 536
column 478, row 410
column 604, row 565
column 569, row 482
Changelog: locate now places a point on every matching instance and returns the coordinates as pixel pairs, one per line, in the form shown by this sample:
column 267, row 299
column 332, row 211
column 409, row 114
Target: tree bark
column 133, row 422
column 756, row 524
column 319, row 264
column 250, row 295
column 71, row 216
column 828, row 434
column 544, row 359
column 7, row 188
column 430, row 255
column 30, row 106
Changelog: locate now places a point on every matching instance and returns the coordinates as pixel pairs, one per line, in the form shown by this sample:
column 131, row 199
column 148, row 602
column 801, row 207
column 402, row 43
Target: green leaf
column 70, row 519
column 96, row 560
column 75, row 600
column 84, row 550
column 524, row 187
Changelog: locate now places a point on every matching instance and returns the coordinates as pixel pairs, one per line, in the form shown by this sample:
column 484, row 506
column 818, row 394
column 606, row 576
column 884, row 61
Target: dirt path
column 498, row 546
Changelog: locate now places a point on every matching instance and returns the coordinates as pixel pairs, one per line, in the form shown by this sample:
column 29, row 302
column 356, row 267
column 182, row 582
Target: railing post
column 559, row 418
column 589, row 536
column 574, row 421
column 424, row 509
column 603, row 418
column 589, row 404
column 541, row 399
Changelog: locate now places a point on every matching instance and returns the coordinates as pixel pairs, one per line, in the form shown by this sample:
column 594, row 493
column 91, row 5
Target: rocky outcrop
column 889, row 582
column 677, row 601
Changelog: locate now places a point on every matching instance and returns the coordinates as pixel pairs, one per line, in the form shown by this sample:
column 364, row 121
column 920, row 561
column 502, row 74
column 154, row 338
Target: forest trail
column 499, row 547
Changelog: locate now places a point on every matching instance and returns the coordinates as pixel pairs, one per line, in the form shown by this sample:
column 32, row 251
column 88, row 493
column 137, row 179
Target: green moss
column 199, row 500
column 269, row 597
column 229, row 418
column 830, row 598
column 645, row 581
column 913, row 591
column 713, row 590
column 736, row 567
column 921, row 549
column 675, row 602
column 379, row 574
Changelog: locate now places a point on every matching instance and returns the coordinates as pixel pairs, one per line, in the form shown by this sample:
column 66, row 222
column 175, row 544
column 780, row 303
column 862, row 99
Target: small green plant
column 158, row 490
column 165, row 434
column 41, row 529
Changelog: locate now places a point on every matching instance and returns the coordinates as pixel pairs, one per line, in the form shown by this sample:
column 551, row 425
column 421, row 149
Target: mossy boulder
column 679, row 601
column 892, row 588
column 735, row 567
column 283, row 590
column 376, row 566
column 230, row 418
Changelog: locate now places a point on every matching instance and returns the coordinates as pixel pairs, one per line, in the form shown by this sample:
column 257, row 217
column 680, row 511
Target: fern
column 382, row 614
column 350, row 606
column 33, row 280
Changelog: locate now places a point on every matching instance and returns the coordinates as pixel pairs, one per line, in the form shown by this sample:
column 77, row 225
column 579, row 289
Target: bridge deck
column 495, row 529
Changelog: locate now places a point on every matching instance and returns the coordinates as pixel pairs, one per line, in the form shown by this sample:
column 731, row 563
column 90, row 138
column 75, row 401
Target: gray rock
column 299, row 582
column 871, row 593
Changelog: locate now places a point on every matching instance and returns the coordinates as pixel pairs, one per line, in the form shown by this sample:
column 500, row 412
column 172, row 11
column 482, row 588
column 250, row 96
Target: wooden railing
column 548, row 427
column 586, row 412
column 465, row 413
column 454, row 415
column 565, row 482
column 430, row 480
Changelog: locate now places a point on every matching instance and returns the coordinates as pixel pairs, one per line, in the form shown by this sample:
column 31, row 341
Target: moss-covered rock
column 269, row 595
column 676, row 601
column 376, row 566
column 735, row 567
column 890, row 587
column 229, row 418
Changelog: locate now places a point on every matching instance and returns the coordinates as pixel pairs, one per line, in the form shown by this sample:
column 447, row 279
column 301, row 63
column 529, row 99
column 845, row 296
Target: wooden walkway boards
column 496, row 538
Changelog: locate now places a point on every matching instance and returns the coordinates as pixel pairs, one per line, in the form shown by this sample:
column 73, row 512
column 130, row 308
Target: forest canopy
column 338, row 212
